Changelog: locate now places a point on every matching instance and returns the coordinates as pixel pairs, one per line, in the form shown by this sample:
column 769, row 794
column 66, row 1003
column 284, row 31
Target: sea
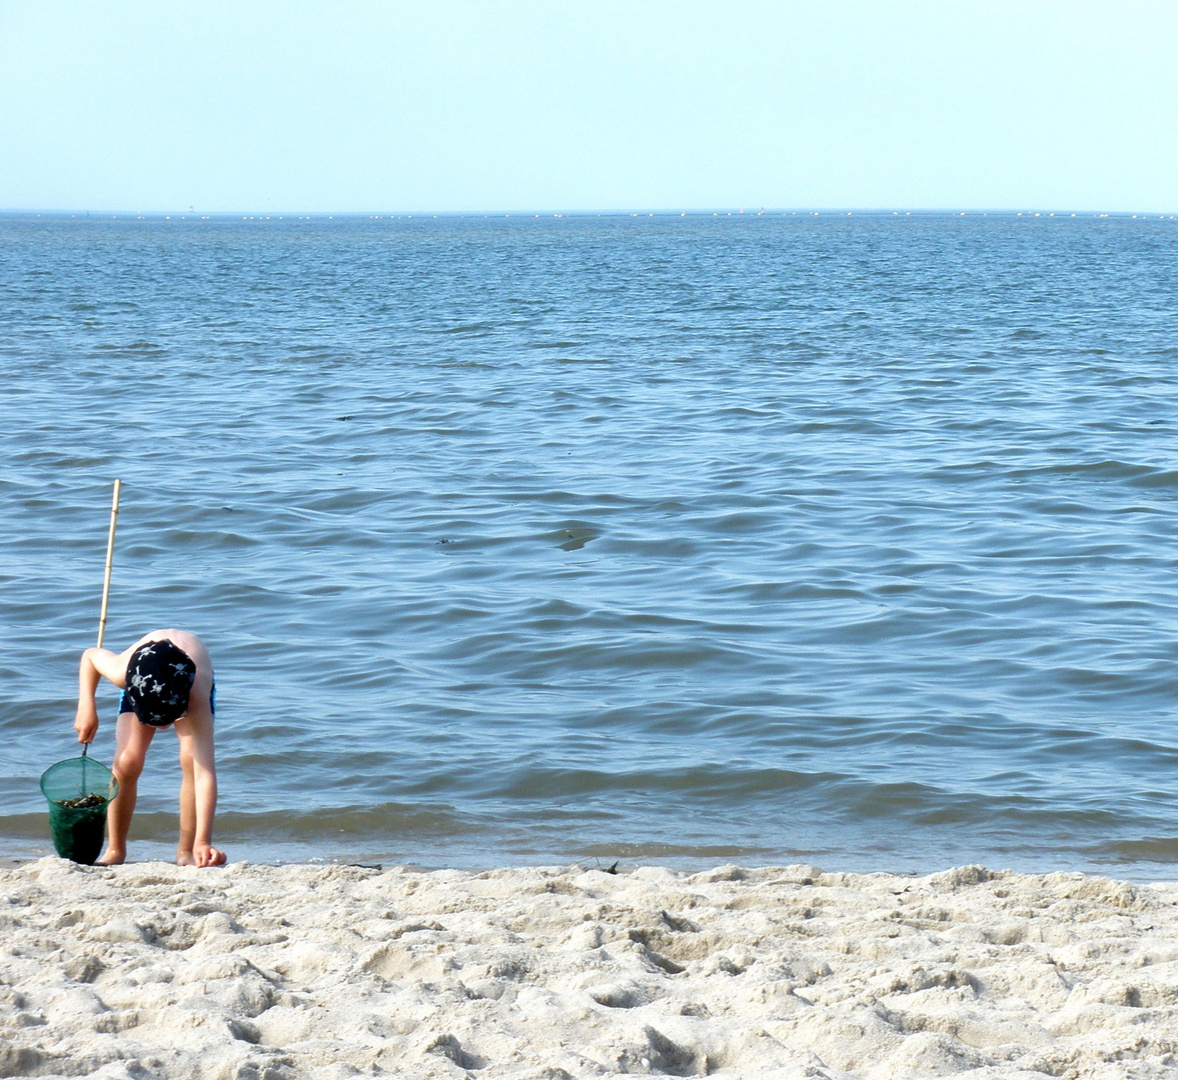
column 679, row 539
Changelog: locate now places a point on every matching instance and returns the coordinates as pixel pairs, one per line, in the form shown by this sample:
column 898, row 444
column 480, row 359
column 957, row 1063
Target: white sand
column 272, row 972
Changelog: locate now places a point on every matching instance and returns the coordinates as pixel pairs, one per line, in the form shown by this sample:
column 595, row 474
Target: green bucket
column 78, row 791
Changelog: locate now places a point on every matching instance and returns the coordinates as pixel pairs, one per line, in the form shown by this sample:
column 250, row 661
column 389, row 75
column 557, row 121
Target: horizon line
column 760, row 211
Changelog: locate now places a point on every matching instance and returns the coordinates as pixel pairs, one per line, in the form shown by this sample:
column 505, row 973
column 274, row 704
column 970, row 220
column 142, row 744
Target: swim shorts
column 126, row 706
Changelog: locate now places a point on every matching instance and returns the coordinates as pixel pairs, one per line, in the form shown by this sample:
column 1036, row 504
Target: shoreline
column 330, row 970
column 1160, row 874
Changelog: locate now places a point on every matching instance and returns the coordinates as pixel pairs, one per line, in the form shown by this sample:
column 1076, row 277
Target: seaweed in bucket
column 84, row 802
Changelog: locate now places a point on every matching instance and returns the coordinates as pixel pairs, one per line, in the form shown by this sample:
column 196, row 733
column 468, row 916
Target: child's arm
column 97, row 663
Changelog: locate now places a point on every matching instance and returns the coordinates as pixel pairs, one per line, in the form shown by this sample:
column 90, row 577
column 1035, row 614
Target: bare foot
column 112, row 858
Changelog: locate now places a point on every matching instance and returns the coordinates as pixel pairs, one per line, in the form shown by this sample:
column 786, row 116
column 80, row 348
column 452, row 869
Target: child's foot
column 112, row 858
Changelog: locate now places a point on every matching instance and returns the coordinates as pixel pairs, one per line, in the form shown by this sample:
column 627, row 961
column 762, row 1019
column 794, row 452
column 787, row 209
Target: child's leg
column 198, row 789
column 131, row 742
column 187, row 803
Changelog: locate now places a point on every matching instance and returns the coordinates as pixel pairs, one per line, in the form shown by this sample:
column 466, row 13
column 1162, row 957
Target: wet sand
column 150, row 970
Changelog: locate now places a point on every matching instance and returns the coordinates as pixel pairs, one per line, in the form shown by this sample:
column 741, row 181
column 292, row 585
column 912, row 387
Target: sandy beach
column 258, row 971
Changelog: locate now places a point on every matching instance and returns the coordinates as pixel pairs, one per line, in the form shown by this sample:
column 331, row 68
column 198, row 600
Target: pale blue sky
column 463, row 106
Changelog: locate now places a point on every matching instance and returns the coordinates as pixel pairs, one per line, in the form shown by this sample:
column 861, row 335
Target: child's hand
column 207, row 855
column 86, row 724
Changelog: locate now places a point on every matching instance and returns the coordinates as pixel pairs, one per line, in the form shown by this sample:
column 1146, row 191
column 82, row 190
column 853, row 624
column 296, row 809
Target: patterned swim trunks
column 125, row 701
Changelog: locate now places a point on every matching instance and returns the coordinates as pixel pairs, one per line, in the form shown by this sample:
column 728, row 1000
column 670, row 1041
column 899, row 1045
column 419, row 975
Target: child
column 167, row 680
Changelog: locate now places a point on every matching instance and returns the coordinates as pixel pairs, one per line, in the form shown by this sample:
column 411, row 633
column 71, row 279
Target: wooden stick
column 110, row 552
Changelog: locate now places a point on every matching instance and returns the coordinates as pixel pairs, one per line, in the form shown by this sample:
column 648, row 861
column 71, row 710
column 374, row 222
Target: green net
column 78, row 791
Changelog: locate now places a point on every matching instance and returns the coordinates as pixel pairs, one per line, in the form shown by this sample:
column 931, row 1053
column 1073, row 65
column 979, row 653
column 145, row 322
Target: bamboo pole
column 110, row 552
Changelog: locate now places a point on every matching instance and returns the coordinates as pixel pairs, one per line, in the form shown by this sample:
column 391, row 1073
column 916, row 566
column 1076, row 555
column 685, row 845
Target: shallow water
column 759, row 539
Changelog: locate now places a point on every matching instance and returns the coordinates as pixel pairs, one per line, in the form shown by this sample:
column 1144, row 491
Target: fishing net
column 78, row 791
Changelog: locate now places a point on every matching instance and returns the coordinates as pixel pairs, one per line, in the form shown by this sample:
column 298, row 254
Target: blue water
column 675, row 539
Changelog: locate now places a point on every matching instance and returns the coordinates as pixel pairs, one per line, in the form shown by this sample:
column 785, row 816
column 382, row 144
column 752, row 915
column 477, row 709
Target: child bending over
column 167, row 681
